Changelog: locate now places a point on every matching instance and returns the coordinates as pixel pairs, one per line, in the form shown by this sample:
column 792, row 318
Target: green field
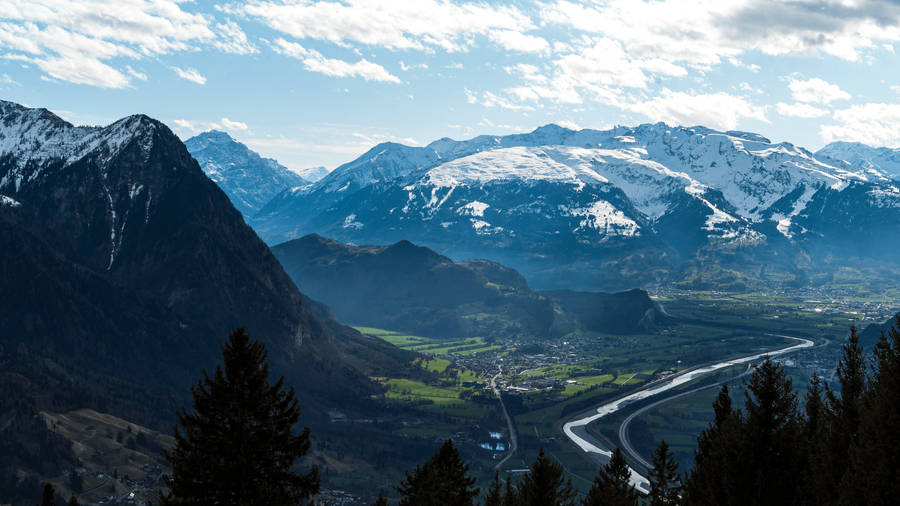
column 431, row 346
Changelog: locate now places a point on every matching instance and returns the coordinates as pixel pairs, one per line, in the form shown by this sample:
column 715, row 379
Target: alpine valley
column 499, row 288
column 643, row 206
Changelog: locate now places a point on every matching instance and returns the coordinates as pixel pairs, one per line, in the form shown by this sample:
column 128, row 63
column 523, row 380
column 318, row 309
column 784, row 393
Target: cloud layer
column 649, row 60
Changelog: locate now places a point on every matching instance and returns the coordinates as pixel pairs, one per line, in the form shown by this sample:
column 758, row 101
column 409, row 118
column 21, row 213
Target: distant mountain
column 407, row 287
column 125, row 265
column 248, row 179
column 883, row 162
column 606, row 209
column 313, row 174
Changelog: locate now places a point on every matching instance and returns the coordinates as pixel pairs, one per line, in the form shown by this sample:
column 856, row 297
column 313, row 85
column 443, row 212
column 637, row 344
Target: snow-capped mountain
column 312, row 174
column 596, row 206
column 248, row 179
column 877, row 162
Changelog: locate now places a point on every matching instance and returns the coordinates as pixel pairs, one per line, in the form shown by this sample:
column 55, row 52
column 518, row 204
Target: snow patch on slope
column 606, row 219
column 473, row 208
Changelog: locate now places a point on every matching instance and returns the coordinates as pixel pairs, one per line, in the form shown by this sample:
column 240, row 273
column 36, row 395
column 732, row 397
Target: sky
column 320, row 82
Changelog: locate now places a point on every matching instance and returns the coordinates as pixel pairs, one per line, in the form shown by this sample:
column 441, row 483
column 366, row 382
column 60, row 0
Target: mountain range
column 411, row 288
column 125, row 267
column 613, row 209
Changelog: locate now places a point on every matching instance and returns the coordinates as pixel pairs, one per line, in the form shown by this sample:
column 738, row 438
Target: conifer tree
column 874, row 476
column 509, row 495
column 664, row 483
column 73, row 501
column 839, row 423
column 494, row 494
column 612, row 486
column 772, row 450
column 47, row 495
column 381, row 500
column 814, row 407
column 816, row 490
column 544, row 485
column 237, row 446
column 442, row 480
column 713, row 481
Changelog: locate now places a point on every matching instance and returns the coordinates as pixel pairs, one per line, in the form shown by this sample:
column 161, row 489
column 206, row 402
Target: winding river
column 576, row 428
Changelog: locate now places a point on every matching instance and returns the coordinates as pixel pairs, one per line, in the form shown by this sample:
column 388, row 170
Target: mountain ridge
column 598, row 204
column 407, row 287
column 248, row 179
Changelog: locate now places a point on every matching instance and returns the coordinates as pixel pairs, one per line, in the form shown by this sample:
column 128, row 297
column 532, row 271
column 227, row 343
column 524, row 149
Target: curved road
column 576, row 428
column 623, row 427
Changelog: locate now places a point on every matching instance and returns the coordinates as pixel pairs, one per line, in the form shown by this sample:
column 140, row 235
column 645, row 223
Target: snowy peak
column 313, row 174
column 883, row 162
column 247, row 178
column 387, row 161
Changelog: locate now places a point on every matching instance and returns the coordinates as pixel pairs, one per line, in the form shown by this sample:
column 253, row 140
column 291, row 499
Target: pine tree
column 612, row 486
column 237, row 446
column 381, row 501
column 73, row 501
column 814, row 407
column 838, row 423
column 816, row 490
column 714, row 479
column 510, row 498
column 494, row 494
column 772, row 446
column 874, row 475
column 544, row 485
column 664, row 483
column 443, row 480
column 47, row 495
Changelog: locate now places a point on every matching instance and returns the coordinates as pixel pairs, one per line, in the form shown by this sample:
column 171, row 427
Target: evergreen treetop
column 237, row 446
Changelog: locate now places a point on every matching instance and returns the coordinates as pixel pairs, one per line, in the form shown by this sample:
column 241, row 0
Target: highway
column 576, row 428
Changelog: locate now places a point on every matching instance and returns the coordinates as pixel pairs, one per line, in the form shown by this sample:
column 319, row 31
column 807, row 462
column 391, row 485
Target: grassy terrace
column 427, row 345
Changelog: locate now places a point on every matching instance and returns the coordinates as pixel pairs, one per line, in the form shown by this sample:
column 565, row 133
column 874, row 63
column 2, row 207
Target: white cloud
column 233, row 125
column 471, row 97
column 895, row 88
column 514, row 40
column 404, row 67
column 703, row 33
column 135, row 74
column 876, row 124
column 314, row 61
column 194, row 126
column 232, row 39
column 393, row 24
column 716, row 110
column 190, row 74
column 491, row 100
column 816, row 91
column 76, row 40
column 800, row 110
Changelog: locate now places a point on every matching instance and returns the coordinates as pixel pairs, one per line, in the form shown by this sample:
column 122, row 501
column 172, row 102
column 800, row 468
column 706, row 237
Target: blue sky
column 320, row 82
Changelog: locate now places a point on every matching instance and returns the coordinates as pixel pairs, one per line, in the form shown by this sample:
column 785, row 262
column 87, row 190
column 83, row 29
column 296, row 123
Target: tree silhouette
column 544, row 485
column 442, row 480
column 612, row 486
column 238, row 446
